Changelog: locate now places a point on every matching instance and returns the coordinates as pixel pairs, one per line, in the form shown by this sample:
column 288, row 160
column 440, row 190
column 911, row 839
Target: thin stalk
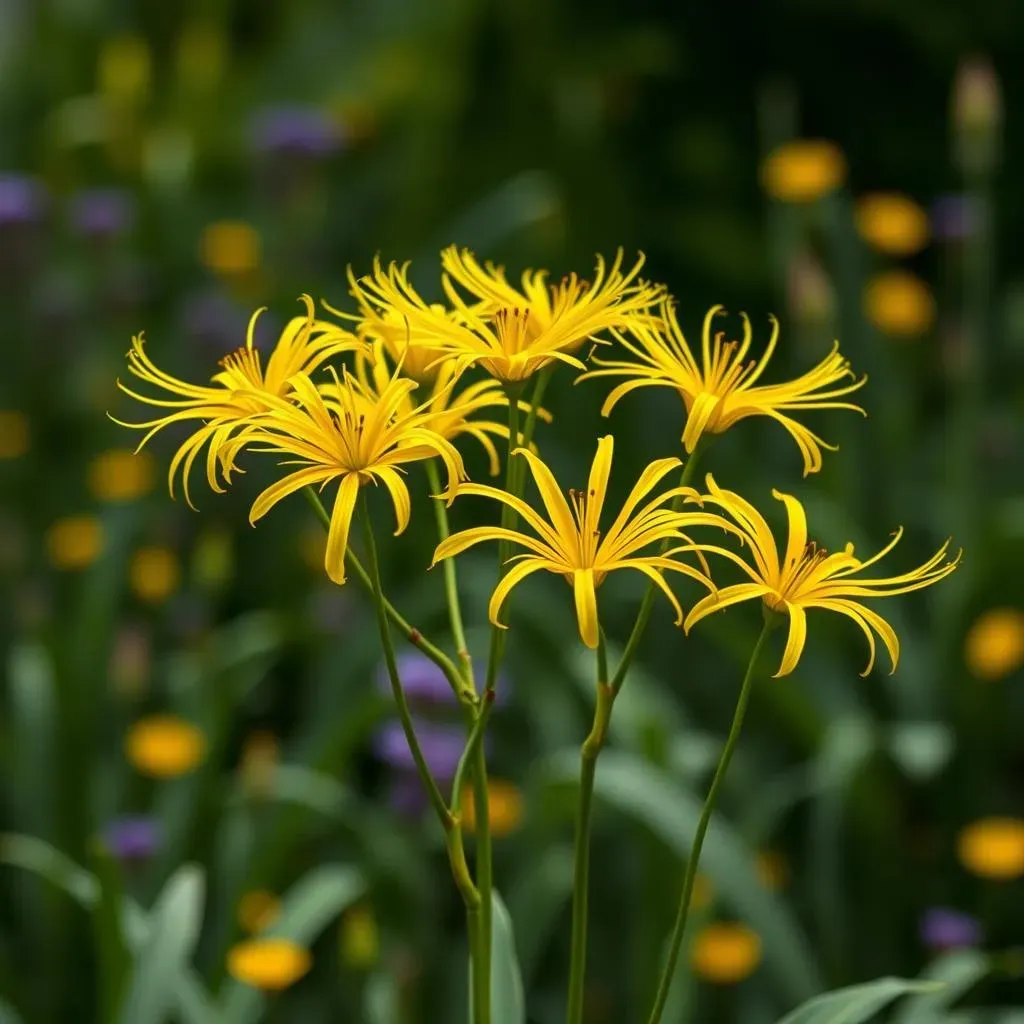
column 668, row 972
column 643, row 615
column 581, row 861
column 451, row 580
column 410, row 632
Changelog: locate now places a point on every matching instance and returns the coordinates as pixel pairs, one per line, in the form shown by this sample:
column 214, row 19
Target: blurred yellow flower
column 164, row 746
column 14, row 434
column 74, row 542
column 993, row 848
column 899, row 304
column 722, row 388
column 120, row 475
column 725, row 953
column 995, row 643
column 803, row 171
column 258, row 909
column 892, row 223
column 505, row 807
column 570, row 543
column 124, row 68
column 807, row 576
column 771, row 868
column 240, row 391
column 153, row 574
column 260, row 753
column 360, row 938
column 268, row 964
column 230, row 247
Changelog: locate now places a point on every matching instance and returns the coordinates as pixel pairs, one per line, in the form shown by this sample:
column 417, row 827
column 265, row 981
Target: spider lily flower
column 242, row 389
column 354, row 435
column 510, row 334
column 570, row 541
column 807, row 576
column 720, row 389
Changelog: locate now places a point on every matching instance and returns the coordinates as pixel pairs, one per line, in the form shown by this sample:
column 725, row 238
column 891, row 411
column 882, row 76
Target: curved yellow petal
column 268, row 498
column 550, row 493
column 465, row 539
column 722, row 599
column 797, row 541
column 524, row 511
column 597, row 485
column 656, row 578
column 341, row 520
column 648, row 480
column 586, row 606
column 514, row 576
column 794, row 641
column 703, row 408
column 399, row 496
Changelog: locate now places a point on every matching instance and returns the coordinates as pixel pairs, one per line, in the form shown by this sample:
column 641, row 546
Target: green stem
column 404, row 714
column 667, row 974
column 451, row 580
column 581, row 862
column 643, row 615
column 411, row 633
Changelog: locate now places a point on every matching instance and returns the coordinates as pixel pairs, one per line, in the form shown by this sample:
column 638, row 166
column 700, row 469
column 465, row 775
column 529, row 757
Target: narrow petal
column 722, row 599
column 551, row 494
column 399, row 496
column 514, row 576
column 586, row 606
column 524, row 511
column 597, row 485
column 464, row 539
column 797, row 542
column 288, row 485
column 867, row 620
column 704, row 406
column 341, row 520
column 649, row 479
column 656, row 577
column 795, row 640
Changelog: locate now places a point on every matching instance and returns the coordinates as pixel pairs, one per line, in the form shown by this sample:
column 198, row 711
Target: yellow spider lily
column 355, row 435
column 510, row 334
column 570, row 543
column 721, row 388
column 808, row 577
column 239, row 391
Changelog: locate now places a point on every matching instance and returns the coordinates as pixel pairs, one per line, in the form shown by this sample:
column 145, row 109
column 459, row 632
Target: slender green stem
column 643, row 615
column 581, row 862
column 410, row 632
column 404, row 714
column 451, row 579
column 676, row 943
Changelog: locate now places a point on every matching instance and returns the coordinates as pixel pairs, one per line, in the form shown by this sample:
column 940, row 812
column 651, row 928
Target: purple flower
column 133, row 838
column 102, row 213
column 423, row 682
column 442, row 747
column 954, row 217
column 295, row 131
column 407, row 795
column 946, row 928
column 22, row 200
column 216, row 323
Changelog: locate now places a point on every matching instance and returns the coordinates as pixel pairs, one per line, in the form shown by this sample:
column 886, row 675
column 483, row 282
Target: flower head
column 892, row 223
column 355, row 435
column 571, row 543
column 722, row 388
column 154, row 573
column 807, row 576
column 995, row 643
column 725, row 953
column 133, row 838
column 242, row 389
column 803, row 171
column 270, row 964
column 899, row 304
column 506, row 807
column 74, row 542
column 944, row 928
column 993, row 848
column 121, row 475
column 164, row 746
column 510, row 333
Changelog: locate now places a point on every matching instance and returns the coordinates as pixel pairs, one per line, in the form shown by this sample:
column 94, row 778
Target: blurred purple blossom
column 215, row 322
column 407, row 795
column 425, row 683
column 946, row 928
column 295, row 131
column 22, row 200
column 441, row 744
column 133, row 838
column 102, row 213
column 954, row 217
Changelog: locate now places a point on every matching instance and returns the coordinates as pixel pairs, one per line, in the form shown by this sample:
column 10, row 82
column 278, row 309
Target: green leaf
column 958, row 971
column 8, row 1014
column 380, row 999
column 536, row 902
column 508, row 1002
column 309, row 906
column 648, row 795
column 855, row 1004
column 114, row 959
column 174, row 929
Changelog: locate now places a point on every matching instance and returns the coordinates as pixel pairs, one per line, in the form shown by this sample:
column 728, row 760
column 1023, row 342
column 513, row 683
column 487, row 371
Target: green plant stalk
column 693, row 860
column 410, row 632
column 581, row 859
column 643, row 615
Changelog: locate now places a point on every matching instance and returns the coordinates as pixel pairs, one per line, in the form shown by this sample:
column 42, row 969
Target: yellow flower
column 354, row 434
column 14, row 434
column 505, row 807
column 154, row 573
column 124, row 68
column 238, row 392
column 993, row 848
column 571, row 543
column 898, row 303
column 258, row 910
column 164, row 746
column 511, row 334
column 448, row 408
column 809, row 577
column 722, row 389
column 892, row 223
column 995, row 643
column 360, row 938
column 269, row 964
column 230, row 247
column 803, row 171
column 74, row 542
column 725, row 953
column 120, row 475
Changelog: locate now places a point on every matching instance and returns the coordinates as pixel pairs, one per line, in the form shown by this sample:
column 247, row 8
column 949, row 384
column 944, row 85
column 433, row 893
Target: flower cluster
column 358, row 406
